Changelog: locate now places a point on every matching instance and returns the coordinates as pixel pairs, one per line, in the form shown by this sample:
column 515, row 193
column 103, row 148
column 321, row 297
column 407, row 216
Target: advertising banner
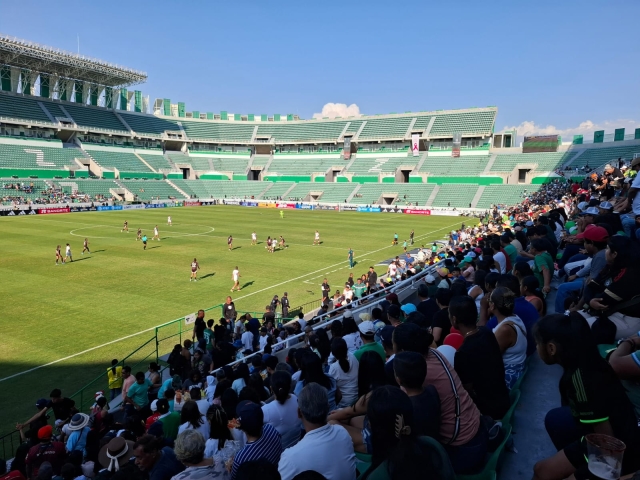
column 446, row 213
column 133, row 207
column 12, row 213
column 393, row 209
column 231, row 202
column 48, row 211
column 349, row 208
column 191, row 203
column 370, row 209
column 249, row 204
column 152, row 205
column 79, row 209
column 266, row 205
column 457, row 142
column 286, row 205
column 105, row 208
column 347, row 148
column 304, row 206
column 415, row 144
column 417, row 211
column 204, row 202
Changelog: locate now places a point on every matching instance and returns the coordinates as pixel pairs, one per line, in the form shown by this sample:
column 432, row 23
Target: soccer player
column 268, row 246
column 281, row 243
column 350, row 256
column 59, row 255
column 144, row 241
column 235, row 275
column 156, row 235
column 125, row 227
column 281, row 214
column 169, row 221
column 67, row 254
column 85, row 246
column 254, row 238
column 316, row 240
column 139, row 235
column 230, row 242
column 194, row 269
column 411, row 236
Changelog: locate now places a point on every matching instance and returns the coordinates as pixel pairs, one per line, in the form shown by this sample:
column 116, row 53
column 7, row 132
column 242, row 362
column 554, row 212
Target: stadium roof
column 28, row 55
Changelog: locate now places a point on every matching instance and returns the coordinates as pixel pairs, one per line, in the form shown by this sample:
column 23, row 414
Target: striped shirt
column 268, row 447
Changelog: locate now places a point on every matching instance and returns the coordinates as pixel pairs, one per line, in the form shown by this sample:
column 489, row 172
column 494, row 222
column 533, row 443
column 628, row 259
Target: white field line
column 324, row 269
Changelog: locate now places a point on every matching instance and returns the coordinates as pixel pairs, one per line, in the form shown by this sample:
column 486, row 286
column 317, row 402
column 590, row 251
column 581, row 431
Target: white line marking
column 236, row 299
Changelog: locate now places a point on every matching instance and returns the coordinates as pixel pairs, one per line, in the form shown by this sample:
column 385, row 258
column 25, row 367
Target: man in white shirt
column 321, row 442
column 263, row 337
column 247, row 340
column 499, row 258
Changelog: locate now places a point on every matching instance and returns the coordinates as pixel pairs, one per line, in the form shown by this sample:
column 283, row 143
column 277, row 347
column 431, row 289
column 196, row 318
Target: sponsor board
column 446, row 213
column 105, row 208
column 417, row 211
column 349, row 208
column 138, row 206
column 249, row 204
column 266, row 205
column 231, row 202
column 304, row 206
column 191, row 203
column 207, row 202
column 154, row 205
column 189, row 319
column 370, row 209
column 49, row 211
column 390, row 210
column 79, row 209
column 286, row 205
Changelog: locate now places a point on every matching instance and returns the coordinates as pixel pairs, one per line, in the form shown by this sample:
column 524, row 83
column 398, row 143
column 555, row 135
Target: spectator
column 598, row 401
column 350, row 332
column 370, row 373
column 345, row 372
column 258, row 470
column 510, row 333
column 178, row 364
column 137, row 398
column 321, row 442
column 282, row 413
column 242, row 378
column 127, row 380
column 114, row 376
column 196, row 396
column 427, row 305
column 479, row 360
column 263, row 441
column 543, row 264
column 441, row 325
column 530, row 290
column 397, row 452
column 369, row 344
column 192, row 419
column 115, row 458
column 189, row 450
column 478, row 289
column 78, row 426
column 170, row 420
column 155, row 461
column 410, row 372
column 312, row 371
column 48, row 451
column 221, row 437
column 63, row 408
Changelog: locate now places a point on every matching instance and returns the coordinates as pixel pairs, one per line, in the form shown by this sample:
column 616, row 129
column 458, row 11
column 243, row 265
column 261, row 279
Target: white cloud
column 529, row 128
column 333, row 110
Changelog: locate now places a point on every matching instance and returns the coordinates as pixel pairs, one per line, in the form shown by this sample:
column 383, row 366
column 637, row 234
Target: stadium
column 85, row 156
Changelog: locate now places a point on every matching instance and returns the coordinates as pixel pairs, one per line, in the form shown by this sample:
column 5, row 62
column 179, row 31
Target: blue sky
column 552, row 63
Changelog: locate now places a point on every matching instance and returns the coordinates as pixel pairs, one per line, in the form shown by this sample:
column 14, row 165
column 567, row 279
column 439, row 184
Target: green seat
column 516, row 386
column 363, row 462
column 489, row 472
column 604, row 349
column 514, row 396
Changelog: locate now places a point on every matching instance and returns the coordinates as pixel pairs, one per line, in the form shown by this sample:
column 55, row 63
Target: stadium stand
column 148, row 124
column 219, row 131
column 466, row 123
column 596, row 157
column 504, row 194
column 92, row 187
column 156, row 160
column 464, row 165
column 123, row 159
column 330, row 192
column 368, row 165
column 38, row 187
column 378, row 128
column 370, row 193
column 54, row 109
column 221, row 188
column 276, row 190
column 151, row 189
column 19, row 107
column 546, row 161
column 455, row 195
column 303, row 131
column 95, row 117
column 302, row 165
column 38, row 154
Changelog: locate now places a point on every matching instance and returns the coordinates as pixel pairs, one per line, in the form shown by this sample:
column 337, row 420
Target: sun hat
column 347, row 314
column 78, row 421
column 364, row 316
column 115, row 454
column 448, row 352
column 606, row 206
column 471, row 255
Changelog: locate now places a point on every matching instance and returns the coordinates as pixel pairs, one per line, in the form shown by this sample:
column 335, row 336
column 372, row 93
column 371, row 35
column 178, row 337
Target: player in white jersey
column 254, row 238
column 156, row 235
column 67, row 254
column 85, row 246
column 316, row 240
column 169, row 220
column 235, row 276
column 194, row 270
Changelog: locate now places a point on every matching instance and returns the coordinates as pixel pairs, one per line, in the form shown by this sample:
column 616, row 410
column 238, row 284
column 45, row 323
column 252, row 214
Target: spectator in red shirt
column 46, row 451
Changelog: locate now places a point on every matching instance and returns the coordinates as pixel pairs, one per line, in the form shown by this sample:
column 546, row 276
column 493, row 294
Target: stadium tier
column 221, row 188
column 303, row 131
column 596, row 157
column 276, row 190
column 95, row 117
column 455, row 195
column 376, row 129
column 22, row 108
column 285, row 164
column 144, row 124
column 544, row 161
column 371, row 193
column 462, row 166
column 467, row 123
column 368, row 165
column 38, row 154
column 218, row 131
column 504, row 194
column 39, row 186
column 91, row 187
column 322, row 192
column 123, row 159
column 156, row 160
column 151, row 189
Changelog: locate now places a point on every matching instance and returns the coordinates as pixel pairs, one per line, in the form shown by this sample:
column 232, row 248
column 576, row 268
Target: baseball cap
column 430, row 279
column 635, row 162
column 594, row 234
column 238, row 344
column 590, row 211
column 386, row 335
column 250, row 415
column 367, row 328
column 154, row 406
column 453, row 339
column 408, row 308
column 348, row 314
column 583, row 205
column 471, row 255
column 443, row 272
column 41, row 403
column 606, row 206
column 45, row 432
column 529, row 223
column 392, row 297
column 394, row 311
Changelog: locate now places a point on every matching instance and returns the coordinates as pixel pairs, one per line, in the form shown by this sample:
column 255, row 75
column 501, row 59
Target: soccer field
column 53, row 312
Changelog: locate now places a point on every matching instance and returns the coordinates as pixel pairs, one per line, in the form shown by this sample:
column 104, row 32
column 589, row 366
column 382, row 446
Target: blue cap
column 238, row 344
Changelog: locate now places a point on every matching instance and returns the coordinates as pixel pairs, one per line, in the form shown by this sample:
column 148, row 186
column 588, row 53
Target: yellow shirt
column 115, row 380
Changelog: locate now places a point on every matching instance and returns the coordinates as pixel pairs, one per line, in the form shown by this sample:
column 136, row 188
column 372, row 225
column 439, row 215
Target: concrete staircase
column 177, row 189
column 487, row 169
column 477, row 196
column 433, row 195
column 353, row 193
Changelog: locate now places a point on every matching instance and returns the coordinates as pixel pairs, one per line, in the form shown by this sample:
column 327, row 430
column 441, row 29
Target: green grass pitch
column 52, row 312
